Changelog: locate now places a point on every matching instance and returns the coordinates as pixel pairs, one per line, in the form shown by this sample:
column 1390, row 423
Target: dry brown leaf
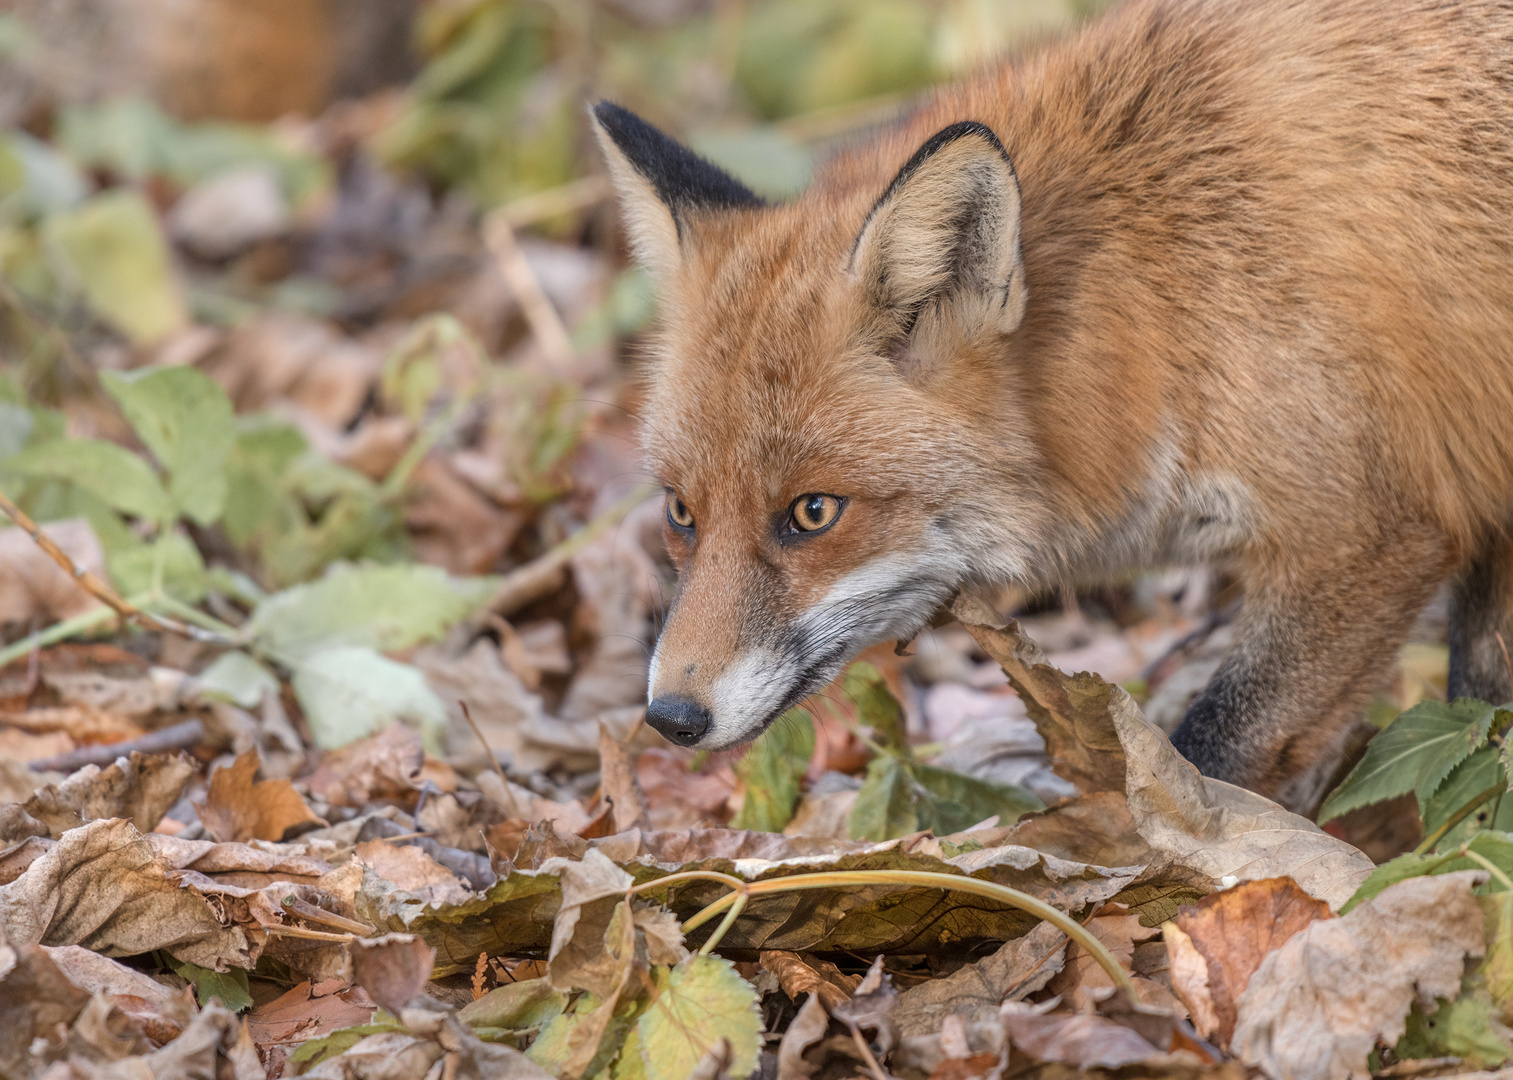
column 870, row 1009
column 974, row 992
column 617, row 782
column 307, row 1011
column 409, row 868
column 142, row 790
column 1233, row 931
column 591, row 891
column 663, row 935
column 381, row 768
column 103, row 886
column 1081, row 1039
column 82, row 723
column 1098, row 739
column 392, row 969
column 239, row 808
column 676, row 797
column 1316, row 1006
column 33, row 587
column 1083, row 978
column 35, row 999
column 798, row 976
column 807, row 1028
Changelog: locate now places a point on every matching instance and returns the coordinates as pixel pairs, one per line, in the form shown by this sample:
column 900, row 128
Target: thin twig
column 97, row 588
column 311, row 913
column 866, row 1051
column 546, row 324
column 178, row 737
column 308, row 935
column 1427, row 844
column 467, row 714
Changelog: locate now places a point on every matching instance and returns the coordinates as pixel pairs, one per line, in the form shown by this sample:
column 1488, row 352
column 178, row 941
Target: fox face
column 816, row 416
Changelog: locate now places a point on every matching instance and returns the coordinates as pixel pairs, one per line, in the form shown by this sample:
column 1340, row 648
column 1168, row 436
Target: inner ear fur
column 943, row 241
column 660, row 182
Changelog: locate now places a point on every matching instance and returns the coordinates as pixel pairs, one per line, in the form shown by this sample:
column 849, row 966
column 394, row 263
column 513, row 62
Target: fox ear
column 661, row 183
column 943, row 241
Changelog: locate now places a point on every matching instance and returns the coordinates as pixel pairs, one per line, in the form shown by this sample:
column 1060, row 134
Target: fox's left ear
column 661, row 184
column 943, row 241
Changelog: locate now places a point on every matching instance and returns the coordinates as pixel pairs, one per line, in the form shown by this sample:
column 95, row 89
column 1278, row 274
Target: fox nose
column 678, row 719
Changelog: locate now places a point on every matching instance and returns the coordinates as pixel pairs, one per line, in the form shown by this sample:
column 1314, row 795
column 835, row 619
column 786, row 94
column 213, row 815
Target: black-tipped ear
column 940, row 249
column 660, row 181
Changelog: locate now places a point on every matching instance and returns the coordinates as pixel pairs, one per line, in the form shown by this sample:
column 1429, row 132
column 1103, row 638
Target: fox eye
column 678, row 514
column 814, row 512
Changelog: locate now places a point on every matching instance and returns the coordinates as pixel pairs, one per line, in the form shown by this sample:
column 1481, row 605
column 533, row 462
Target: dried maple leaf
column 1232, row 932
column 1316, row 1006
column 239, row 808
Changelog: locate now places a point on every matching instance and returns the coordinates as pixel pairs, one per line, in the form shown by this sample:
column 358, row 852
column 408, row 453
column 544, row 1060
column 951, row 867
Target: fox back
column 1207, row 281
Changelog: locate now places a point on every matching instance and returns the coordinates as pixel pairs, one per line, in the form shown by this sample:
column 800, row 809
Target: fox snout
column 678, row 719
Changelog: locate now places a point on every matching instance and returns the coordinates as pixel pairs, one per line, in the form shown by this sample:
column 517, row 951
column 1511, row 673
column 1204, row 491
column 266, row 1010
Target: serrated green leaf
column 1495, row 847
column 381, row 607
column 1467, row 1028
column 693, row 1006
column 1480, row 771
column 116, row 475
column 958, row 802
column 568, row 1036
column 186, row 420
column 114, row 250
column 772, row 769
column 884, row 806
column 349, row 691
column 1414, row 753
column 230, row 985
column 237, row 678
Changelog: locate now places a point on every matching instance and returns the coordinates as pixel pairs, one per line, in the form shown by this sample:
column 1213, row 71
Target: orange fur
column 1268, row 256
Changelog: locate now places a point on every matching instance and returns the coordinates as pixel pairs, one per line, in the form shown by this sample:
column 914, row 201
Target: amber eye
column 812, row 513
column 677, row 513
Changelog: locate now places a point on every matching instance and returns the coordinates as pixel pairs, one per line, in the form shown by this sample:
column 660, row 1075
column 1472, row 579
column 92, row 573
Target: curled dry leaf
column 1098, row 738
column 240, row 808
column 592, row 889
column 1315, row 1007
column 617, row 781
column 140, row 788
column 392, row 969
column 870, row 1008
column 1230, row 933
column 974, row 992
column 807, row 1028
column 816, row 977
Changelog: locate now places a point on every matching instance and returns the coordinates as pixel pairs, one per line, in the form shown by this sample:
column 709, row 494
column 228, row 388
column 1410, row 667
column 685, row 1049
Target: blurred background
column 381, row 227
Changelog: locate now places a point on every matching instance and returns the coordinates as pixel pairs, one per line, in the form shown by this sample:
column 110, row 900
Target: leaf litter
column 351, row 781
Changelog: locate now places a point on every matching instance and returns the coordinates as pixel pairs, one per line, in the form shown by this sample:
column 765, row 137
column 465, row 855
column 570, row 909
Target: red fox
column 1210, row 280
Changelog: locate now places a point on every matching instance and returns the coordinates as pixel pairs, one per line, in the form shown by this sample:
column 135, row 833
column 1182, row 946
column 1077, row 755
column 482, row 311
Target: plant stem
column 1489, row 866
column 730, row 917
column 992, row 891
column 689, row 875
column 55, row 633
column 1427, row 844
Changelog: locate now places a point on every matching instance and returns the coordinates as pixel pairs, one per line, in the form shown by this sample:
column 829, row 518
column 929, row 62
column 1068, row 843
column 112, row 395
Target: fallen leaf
column 1080, row 1039
column 35, row 999
column 819, row 978
column 237, row 808
column 303, row 1014
column 409, row 868
column 1083, row 977
column 807, row 1028
column 592, row 889
column 870, row 1008
column 694, row 1006
column 975, row 992
column 1315, row 1007
column 1233, row 931
column 140, row 788
column 392, row 969
column 380, row 768
column 617, row 782
column 1098, row 739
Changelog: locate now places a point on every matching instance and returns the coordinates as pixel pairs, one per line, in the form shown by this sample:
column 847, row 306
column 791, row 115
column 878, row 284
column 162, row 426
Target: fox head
column 822, row 411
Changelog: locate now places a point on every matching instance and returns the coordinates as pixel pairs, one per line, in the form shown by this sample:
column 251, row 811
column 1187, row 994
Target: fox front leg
column 1317, row 633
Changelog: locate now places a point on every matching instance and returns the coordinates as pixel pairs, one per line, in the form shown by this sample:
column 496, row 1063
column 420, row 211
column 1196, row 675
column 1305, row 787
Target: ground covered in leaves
column 326, row 608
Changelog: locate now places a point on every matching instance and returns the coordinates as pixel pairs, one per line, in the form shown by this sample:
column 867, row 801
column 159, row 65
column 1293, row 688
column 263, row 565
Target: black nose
column 678, row 719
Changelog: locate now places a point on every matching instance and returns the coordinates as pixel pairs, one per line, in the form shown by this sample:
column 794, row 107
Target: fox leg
column 1318, row 629
column 1481, row 609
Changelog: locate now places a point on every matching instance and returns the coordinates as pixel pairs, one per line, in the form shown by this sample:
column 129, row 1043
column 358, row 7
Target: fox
column 1204, row 282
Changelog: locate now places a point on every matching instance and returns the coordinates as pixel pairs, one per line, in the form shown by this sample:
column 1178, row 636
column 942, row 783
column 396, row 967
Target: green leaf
column 567, row 1035
column 1495, row 847
column 134, row 564
column 349, row 691
column 186, row 420
column 876, row 707
column 1466, row 781
column 1415, row 753
column 230, row 986
column 884, row 806
column 517, row 1006
column 123, row 480
column 1466, row 1028
column 693, row 1006
column 959, row 802
column 237, row 678
column 772, row 769
column 114, row 250
column 381, row 607
column 339, row 1042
